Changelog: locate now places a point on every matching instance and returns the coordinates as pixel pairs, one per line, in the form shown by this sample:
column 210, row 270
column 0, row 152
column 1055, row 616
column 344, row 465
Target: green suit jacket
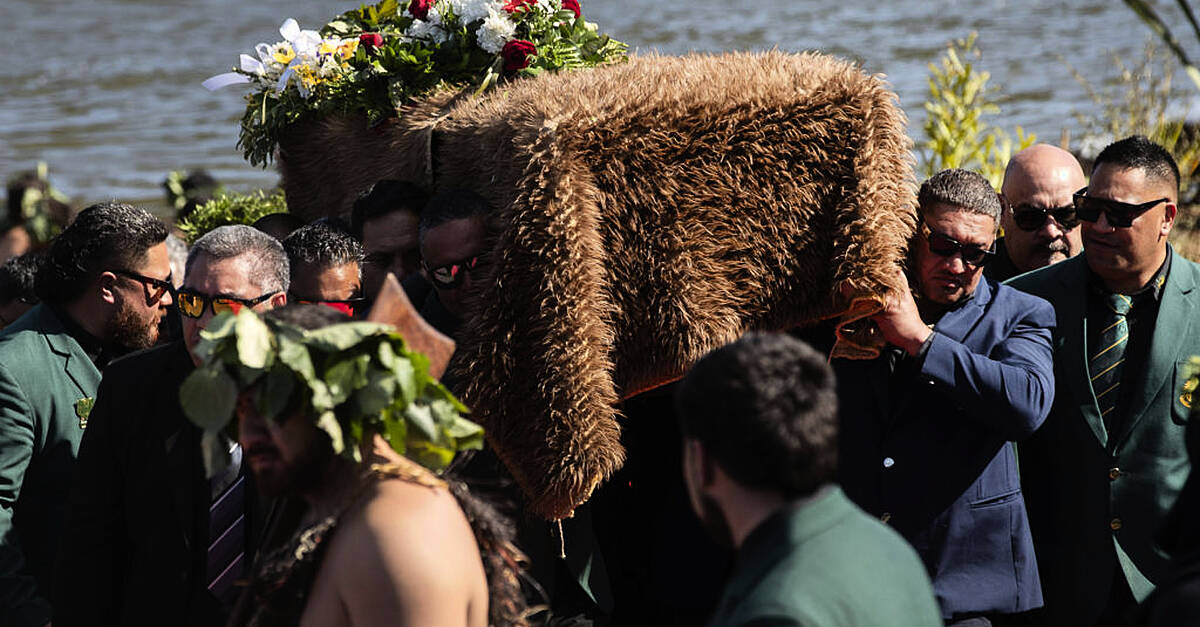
column 43, row 374
column 827, row 563
column 1095, row 498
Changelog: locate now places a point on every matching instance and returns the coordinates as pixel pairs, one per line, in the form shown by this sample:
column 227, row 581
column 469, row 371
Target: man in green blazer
column 1109, row 461
column 104, row 285
column 759, row 422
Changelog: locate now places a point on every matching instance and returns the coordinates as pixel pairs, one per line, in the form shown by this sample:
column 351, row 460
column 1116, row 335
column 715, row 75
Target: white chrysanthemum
column 428, row 30
column 469, row 11
column 495, row 31
column 549, row 6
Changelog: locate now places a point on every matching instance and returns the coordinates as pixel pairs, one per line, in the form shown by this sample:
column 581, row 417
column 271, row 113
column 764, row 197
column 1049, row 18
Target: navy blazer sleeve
column 1010, row 390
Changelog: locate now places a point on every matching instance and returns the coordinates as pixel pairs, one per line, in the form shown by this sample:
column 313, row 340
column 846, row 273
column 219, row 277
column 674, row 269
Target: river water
column 108, row 91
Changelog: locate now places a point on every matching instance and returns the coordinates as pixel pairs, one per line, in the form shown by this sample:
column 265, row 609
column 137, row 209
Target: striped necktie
column 1108, row 357
column 226, row 533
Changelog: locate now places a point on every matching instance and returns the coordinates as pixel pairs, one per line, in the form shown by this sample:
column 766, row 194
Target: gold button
column 1115, row 524
column 886, row 517
column 1114, row 473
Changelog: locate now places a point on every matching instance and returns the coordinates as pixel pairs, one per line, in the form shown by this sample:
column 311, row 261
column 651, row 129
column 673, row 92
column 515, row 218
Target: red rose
column 516, row 54
column 420, row 8
column 512, row 6
column 370, row 40
column 572, row 6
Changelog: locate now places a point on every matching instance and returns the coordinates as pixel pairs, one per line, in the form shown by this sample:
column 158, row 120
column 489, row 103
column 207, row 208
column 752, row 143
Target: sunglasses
column 347, row 306
column 1119, row 214
column 192, row 303
column 451, row 274
column 152, row 287
column 946, row 246
column 1030, row 218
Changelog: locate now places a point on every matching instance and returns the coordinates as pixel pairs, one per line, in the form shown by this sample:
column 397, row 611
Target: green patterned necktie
column 1108, row 357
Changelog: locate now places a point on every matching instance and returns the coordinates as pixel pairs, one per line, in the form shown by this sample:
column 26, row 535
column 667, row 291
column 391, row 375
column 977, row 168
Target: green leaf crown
column 353, row 379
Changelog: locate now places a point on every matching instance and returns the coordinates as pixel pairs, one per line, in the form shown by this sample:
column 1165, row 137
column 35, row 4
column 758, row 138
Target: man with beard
column 759, row 424
column 104, row 283
column 1040, row 226
column 151, row 541
column 385, row 219
column 926, row 427
column 1109, row 463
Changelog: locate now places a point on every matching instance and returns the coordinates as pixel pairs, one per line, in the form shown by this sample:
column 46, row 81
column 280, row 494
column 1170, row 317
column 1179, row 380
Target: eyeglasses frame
column 164, row 286
column 208, row 301
column 1132, row 211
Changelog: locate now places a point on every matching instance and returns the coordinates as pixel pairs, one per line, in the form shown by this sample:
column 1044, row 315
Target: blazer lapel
column 1071, row 358
column 1174, row 320
column 959, row 323
column 79, row 368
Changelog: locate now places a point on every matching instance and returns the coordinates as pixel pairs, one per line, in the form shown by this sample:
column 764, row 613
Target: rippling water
column 108, row 92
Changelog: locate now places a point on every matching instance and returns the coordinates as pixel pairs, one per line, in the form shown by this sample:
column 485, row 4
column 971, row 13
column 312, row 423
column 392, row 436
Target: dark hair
column 59, row 212
column 279, row 225
column 1138, row 152
column 383, row 198
column 307, row 316
column 16, row 279
column 961, row 189
column 765, row 409
column 321, row 245
column 105, row 236
column 453, row 204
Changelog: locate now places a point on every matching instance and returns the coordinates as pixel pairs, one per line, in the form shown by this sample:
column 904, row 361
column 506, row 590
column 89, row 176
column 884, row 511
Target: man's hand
column 900, row 321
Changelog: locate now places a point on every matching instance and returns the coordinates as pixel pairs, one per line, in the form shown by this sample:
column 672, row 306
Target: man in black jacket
column 150, row 539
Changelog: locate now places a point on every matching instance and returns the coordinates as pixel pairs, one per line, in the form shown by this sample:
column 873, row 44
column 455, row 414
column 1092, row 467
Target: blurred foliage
column 1145, row 11
column 230, row 208
column 957, row 135
column 1141, row 100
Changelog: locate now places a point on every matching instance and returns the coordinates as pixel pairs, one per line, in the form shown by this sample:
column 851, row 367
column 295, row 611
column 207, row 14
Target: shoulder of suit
column 146, row 364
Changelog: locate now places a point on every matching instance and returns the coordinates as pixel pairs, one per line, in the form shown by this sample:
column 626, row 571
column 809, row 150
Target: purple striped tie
column 227, row 541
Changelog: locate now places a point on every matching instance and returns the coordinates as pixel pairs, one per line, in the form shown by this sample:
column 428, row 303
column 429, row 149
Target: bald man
column 1040, row 227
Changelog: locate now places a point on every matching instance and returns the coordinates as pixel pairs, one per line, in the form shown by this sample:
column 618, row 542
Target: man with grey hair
column 925, row 428
column 151, row 539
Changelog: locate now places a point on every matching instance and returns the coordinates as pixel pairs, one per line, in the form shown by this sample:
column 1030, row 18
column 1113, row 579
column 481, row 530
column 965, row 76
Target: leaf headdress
column 353, row 379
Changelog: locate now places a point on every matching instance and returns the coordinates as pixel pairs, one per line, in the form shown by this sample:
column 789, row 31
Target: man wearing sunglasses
column 454, row 246
column 1040, row 226
column 326, row 268
column 1106, row 468
column 153, row 540
column 926, row 427
column 103, row 285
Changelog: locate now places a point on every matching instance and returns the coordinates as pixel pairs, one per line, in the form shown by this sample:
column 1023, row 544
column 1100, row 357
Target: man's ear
column 279, row 300
column 1168, row 219
column 106, row 283
column 699, row 464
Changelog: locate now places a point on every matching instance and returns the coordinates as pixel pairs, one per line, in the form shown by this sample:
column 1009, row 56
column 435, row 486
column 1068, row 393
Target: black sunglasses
column 152, row 287
column 1030, row 218
column 1119, row 214
column 451, row 274
column 946, row 246
column 192, row 303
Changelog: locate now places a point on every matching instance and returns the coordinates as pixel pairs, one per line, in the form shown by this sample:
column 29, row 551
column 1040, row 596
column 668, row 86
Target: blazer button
column 886, row 517
column 1114, row 473
column 888, row 462
column 1115, row 524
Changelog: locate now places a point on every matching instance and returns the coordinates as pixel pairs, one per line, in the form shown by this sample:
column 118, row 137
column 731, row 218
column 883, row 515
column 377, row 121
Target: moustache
column 1052, row 246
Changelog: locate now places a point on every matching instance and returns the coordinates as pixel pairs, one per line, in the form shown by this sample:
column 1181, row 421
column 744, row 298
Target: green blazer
column 827, row 563
column 43, row 374
column 1095, row 498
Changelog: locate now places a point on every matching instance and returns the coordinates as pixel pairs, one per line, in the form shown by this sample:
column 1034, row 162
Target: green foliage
column 352, row 380
column 377, row 80
column 957, row 136
column 231, row 208
column 1145, row 11
column 1142, row 101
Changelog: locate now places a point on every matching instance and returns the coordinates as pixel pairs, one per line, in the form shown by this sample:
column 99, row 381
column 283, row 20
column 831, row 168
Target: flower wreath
column 379, row 57
column 353, row 379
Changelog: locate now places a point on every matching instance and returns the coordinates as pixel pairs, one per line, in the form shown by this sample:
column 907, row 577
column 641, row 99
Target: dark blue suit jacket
column 924, row 445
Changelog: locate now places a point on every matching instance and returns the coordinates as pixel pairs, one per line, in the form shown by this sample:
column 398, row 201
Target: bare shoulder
column 408, row 553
